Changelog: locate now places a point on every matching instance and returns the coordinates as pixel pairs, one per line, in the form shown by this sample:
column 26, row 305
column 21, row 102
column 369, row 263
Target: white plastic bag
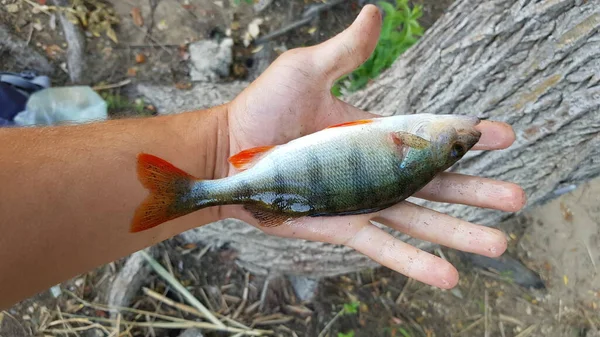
column 52, row 106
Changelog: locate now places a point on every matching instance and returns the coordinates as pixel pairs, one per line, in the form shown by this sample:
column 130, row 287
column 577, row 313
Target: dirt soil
column 558, row 240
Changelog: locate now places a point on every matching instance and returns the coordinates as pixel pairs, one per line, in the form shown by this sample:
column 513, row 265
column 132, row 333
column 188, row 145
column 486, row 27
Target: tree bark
column 533, row 64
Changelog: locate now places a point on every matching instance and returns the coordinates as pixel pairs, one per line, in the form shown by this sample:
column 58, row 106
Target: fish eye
column 458, row 150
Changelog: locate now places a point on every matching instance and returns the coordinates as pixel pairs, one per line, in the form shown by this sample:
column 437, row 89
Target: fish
column 357, row 167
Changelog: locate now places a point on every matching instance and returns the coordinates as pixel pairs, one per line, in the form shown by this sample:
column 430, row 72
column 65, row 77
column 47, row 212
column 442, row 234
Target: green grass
column 400, row 30
column 117, row 103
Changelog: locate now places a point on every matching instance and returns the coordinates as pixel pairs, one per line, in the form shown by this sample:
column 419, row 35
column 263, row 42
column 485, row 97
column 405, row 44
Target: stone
column 304, row 287
column 210, row 60
column 194, row 332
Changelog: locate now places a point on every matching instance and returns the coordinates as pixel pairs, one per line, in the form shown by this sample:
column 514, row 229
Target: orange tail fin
column 167, row 184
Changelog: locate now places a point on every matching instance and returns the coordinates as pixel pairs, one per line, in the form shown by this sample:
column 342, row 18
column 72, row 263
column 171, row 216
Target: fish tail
column 168, row 185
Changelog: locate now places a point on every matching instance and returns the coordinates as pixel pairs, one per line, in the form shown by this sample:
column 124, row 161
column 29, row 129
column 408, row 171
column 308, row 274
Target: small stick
column 68, row 326
column 330, row 324
column 154, row 40
column 181, row 324
column 501, row 326
column 112, row 86
column 181, row 289
column 406, row 285
column 244, row 298
column 263, row 293
column 527, row 331
column 474, row 324
column 510, row 319
column 485, row 314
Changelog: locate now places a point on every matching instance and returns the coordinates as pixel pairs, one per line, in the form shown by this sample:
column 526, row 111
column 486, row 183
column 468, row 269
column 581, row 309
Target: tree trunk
column 533, row 64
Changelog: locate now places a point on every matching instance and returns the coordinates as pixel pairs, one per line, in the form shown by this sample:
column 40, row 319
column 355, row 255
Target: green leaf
column 349, row 334
column 404, row 332
column 351, row 308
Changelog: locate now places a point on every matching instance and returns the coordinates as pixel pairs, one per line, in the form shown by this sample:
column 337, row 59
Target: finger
column 426, row 224
column 397, row 255
column 494, row 135
column 349, row 49
column 474, row 191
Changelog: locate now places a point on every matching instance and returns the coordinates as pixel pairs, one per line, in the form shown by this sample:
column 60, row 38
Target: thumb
column 349, row 49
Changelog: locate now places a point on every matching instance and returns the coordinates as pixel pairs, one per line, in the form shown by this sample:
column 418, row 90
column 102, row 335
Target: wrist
column 204, row 137
column 203, row 145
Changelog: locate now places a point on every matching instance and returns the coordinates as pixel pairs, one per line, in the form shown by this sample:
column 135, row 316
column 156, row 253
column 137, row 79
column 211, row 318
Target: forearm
column 68, row 194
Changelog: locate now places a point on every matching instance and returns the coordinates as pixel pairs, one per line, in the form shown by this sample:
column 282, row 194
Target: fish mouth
column 469, row 137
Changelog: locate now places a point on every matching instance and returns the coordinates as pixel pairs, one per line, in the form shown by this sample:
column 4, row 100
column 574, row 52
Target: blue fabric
column 12, row 102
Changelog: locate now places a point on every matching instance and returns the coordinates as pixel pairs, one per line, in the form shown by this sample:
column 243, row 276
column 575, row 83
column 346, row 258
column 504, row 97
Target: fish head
column 451, row 137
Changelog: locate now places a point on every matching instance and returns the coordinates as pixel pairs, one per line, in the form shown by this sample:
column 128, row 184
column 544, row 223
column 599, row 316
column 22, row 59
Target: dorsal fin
column 358, row 122
column 244, row 159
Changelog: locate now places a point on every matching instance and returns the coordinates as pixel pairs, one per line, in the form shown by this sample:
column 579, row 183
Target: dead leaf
column 132, row 72
column 257, row 49
column 140, row 58
column 12, row 8
column 111, row 34
column 566, row 212
column 136, row 14
column 53, row 51
column 183, row 85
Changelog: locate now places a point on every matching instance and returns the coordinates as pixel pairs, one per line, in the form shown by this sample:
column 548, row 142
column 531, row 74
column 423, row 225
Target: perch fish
column 352, row 168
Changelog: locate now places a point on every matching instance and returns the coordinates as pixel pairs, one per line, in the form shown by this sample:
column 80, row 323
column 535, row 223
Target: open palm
column 293, row 98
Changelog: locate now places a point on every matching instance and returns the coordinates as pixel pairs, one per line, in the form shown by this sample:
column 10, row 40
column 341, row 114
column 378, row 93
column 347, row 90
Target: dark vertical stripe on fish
column 280, row 186
column 245, row 190
column 360, row 177
column 317, row 182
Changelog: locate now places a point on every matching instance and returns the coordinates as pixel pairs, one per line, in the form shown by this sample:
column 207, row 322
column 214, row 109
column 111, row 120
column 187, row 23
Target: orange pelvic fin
column 358, row 122
column 167, row 184
column 245, row 159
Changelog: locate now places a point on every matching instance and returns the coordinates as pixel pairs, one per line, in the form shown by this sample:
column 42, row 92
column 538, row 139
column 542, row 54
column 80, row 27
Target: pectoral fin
column 408, row 139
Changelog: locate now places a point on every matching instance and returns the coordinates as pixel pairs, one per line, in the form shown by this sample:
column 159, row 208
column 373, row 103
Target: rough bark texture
column 533, row 64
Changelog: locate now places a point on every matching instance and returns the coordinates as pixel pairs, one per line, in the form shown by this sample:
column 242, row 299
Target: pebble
column 12, row 8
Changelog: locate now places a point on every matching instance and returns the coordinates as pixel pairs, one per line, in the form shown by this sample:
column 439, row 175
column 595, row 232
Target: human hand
column 293, row 98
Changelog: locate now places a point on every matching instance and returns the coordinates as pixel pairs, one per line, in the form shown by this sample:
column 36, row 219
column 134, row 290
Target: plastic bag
column 15, row 89
column 52, row 106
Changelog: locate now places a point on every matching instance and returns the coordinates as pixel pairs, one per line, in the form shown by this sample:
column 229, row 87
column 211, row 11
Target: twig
column 485, row 314
column 106, row 308
column 117, row 330
column 473, row 285
column 187, row 308
column 510, row 319
column 330, row 324
column 244, row 297
column 501, row 327
column 559, row 310
column 68, row 327
column 406, row 285
column 112, row 86
column 179, row 324
column 30, row 35
column 154, row 40
column 590, row 255
column 527, row 331
column 181, row 289
column 474, row 324
column 308, row 16
column 263, row 293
